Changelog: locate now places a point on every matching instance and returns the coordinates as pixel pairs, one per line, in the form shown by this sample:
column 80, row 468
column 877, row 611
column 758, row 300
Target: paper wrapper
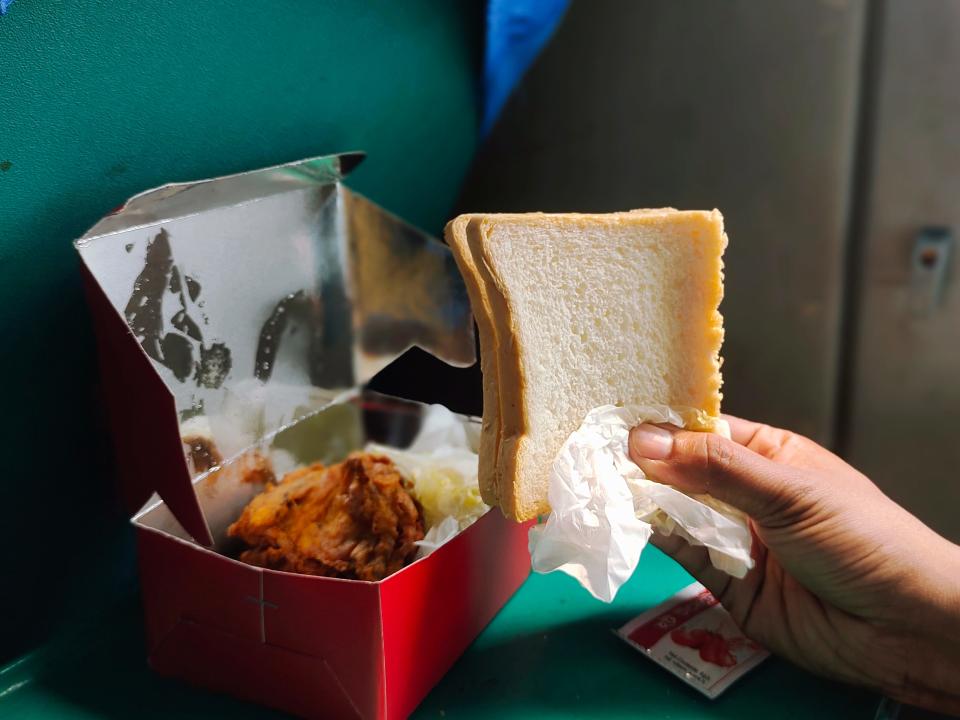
column 442, row 465
column 604, row 509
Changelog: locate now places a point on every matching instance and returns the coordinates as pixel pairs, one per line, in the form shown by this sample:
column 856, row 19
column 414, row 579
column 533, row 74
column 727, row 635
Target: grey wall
column 746, row 106
column 904, row 413
column 828, row 133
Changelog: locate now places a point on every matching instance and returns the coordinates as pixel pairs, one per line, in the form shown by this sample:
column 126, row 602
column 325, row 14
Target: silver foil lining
column 262, row 297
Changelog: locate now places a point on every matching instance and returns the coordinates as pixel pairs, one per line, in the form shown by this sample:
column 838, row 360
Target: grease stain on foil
column 179, row 347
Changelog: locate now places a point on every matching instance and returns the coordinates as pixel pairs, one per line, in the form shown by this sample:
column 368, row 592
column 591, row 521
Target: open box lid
column 232, row 307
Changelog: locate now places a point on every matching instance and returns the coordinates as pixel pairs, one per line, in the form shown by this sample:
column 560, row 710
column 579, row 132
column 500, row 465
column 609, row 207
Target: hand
column 847, row 583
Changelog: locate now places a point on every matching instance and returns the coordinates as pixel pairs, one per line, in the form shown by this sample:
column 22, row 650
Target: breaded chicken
column 353, row 520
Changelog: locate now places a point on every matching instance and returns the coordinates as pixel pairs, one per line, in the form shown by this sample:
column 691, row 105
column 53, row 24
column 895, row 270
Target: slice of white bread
column 463, row 236
column 586, row 310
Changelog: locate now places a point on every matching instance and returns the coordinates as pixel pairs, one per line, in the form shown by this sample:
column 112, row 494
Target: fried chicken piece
column 352, row 520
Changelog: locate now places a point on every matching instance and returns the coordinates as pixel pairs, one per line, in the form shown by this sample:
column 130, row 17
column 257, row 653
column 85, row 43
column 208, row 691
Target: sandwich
column 576, row 311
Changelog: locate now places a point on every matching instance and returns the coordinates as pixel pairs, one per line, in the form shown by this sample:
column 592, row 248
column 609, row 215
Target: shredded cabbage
column 444, row 483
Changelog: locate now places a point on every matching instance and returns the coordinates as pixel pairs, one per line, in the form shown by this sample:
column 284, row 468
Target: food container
column 241, row 315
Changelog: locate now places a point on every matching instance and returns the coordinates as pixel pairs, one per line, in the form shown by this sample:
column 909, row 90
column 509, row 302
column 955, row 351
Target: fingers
column 763, row 439
column 695, row 560
column 706, row 463
column 742, row 431
column 783, row 446
column 736, row 596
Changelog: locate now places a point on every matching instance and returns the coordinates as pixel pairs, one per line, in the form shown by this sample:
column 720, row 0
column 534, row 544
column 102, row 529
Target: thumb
column 706, row 463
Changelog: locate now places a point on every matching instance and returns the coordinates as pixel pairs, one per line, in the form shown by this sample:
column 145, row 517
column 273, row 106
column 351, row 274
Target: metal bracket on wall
column 930, row 261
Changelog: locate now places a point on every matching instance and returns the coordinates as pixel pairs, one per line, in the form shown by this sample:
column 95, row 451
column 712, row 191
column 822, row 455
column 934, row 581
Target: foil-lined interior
column 264, row 297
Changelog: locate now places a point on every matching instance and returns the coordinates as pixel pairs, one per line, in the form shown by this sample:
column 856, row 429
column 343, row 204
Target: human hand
column 847, row 583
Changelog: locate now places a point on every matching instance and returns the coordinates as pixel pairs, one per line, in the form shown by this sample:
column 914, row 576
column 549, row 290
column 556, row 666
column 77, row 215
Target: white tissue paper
column 604, row 510
column 442, row 466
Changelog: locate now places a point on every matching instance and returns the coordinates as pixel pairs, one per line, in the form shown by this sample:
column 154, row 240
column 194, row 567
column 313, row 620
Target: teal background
column 550, row 653
column 103, row 99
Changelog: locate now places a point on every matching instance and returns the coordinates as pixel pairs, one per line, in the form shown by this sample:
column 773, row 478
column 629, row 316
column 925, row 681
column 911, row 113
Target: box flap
column 260, row 298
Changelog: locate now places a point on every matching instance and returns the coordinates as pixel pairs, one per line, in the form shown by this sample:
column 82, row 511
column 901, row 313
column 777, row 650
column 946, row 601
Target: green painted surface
column 548, row 654
column 103, row 99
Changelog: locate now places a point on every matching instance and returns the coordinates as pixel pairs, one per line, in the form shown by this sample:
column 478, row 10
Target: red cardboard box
column 252, row 307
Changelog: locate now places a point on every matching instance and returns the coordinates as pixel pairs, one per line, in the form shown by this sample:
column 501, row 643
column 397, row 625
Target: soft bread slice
column 456, row 237
column 463, row 237
column 493, row 302
column 589, row 310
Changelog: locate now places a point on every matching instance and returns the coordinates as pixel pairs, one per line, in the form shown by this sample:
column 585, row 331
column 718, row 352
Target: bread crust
column 455, row 234
column 512, row 406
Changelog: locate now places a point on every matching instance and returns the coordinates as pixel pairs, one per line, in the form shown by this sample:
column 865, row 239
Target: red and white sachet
column 693, row 637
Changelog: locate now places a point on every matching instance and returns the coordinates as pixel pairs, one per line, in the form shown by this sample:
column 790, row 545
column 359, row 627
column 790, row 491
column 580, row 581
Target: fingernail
column 651, row 442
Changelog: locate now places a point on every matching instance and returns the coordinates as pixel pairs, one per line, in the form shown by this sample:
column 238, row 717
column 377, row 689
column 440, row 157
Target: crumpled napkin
column 604, row 510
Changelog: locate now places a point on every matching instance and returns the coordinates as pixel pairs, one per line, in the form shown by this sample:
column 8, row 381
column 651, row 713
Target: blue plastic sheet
column 517, row 31
column 4, row 4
